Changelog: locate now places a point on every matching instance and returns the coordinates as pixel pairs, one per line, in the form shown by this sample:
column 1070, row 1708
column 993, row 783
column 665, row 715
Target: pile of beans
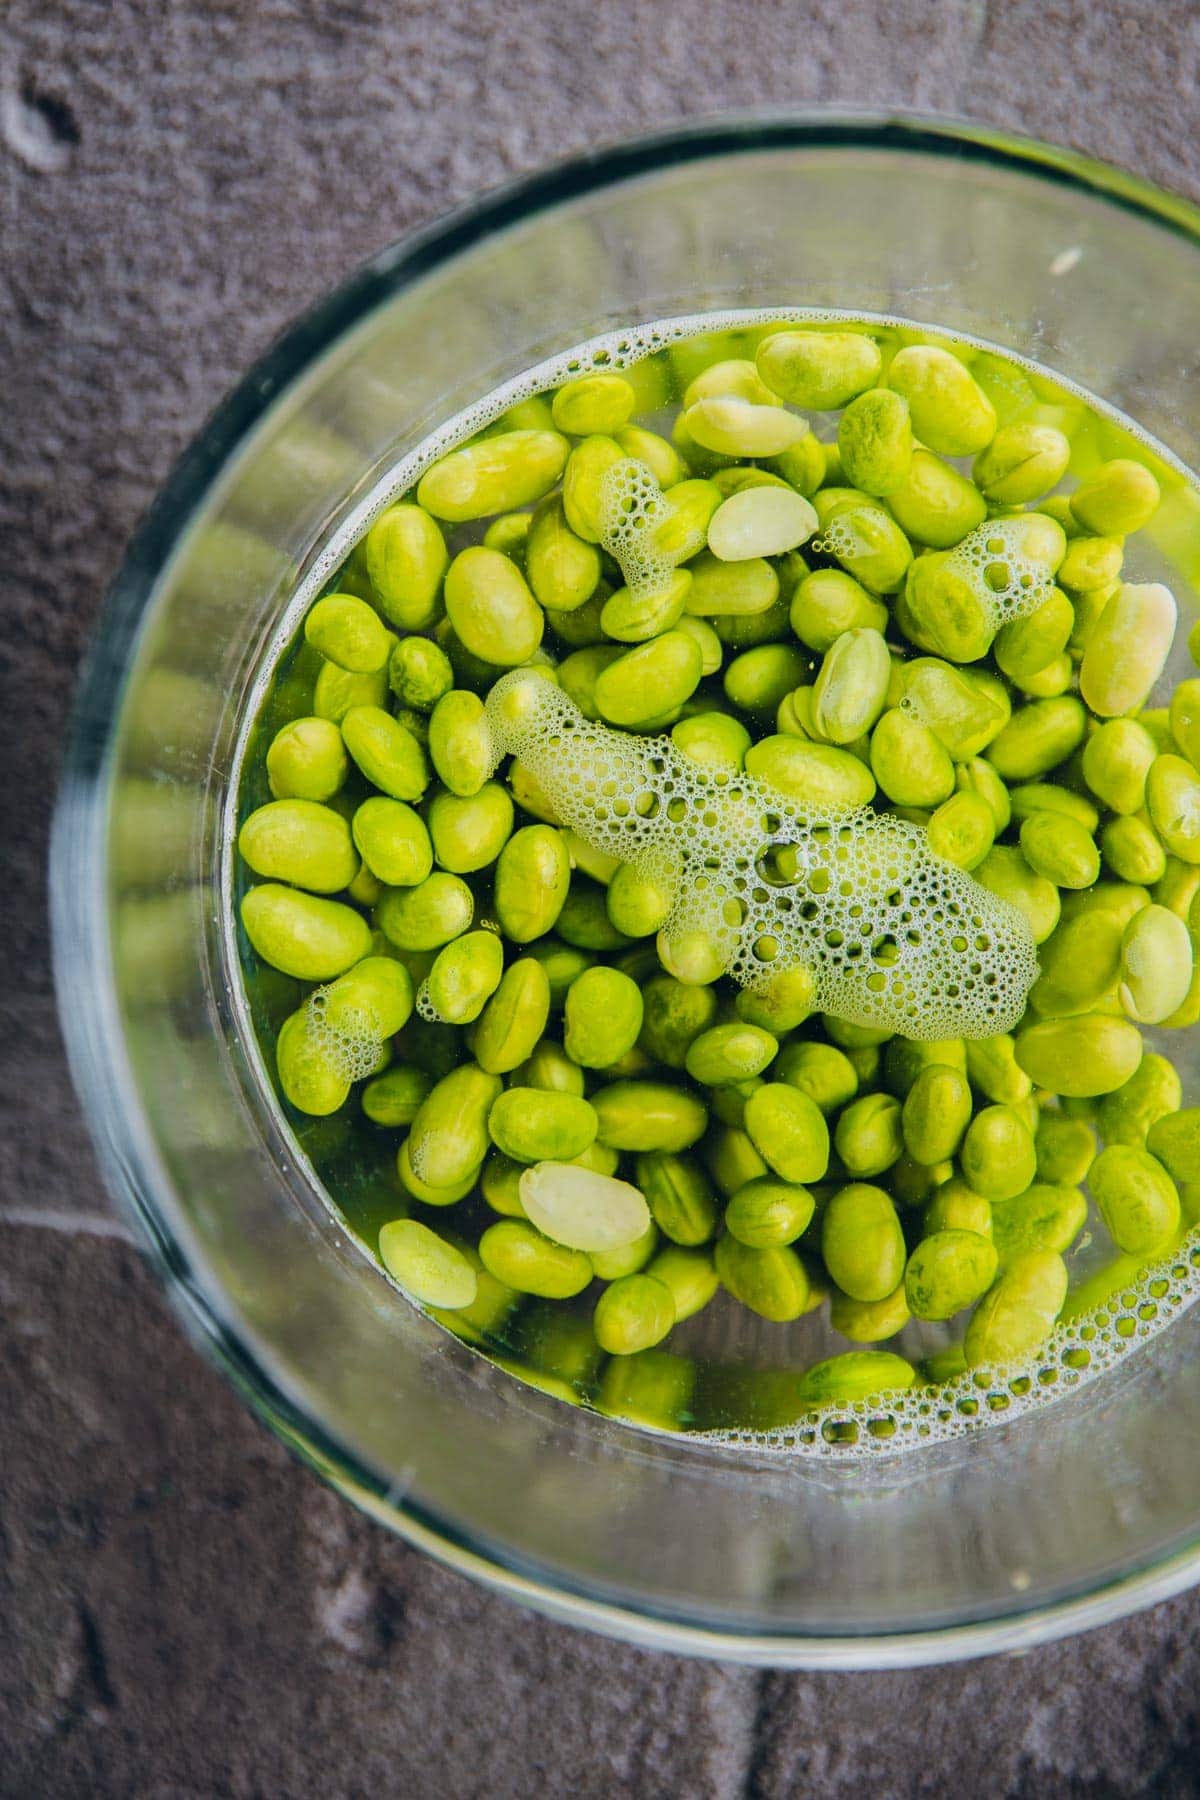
column 920, row 611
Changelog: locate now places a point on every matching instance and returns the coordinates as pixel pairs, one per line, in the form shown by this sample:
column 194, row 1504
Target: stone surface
column 183, row 1610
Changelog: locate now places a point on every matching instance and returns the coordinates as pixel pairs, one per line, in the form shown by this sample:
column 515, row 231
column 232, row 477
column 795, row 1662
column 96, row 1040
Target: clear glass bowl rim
column 77, row 840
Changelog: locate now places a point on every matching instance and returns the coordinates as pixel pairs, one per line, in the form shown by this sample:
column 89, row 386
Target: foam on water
column 354, row 1047
column 893, row 936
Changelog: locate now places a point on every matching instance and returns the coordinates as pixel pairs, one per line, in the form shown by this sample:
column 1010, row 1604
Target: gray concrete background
column 183, row 1610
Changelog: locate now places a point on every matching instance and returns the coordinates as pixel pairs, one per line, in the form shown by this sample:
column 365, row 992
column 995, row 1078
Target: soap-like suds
column 893, row 936
column 354, row 1052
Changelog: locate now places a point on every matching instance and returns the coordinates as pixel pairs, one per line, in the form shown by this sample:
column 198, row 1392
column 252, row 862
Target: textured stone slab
column 183, row 1610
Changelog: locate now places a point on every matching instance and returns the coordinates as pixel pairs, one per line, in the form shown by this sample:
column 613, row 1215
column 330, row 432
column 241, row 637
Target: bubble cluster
column 631, row 505
column 1009, row 583
column 893, row 936
column 1078, row 1351
column 354, row 1045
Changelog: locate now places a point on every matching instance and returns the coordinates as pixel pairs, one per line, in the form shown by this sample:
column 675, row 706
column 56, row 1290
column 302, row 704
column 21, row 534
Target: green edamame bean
column 514, row 1018
column 427, row 915
column 1184, row 715
column 389, row 756
column 307, row 760
column 1042, row 1218
column 936, row 1113
column 862, row 1242
column 311, row 938
column 765, row 1213
column 634, row 615
column 1137, row 1198
column 772, row 1283
column 394, row 1098
column 851, row 687
column 674, row 1016
column 603, row 1017
column 950, row 411
column 1177, row 887
column 426, row 1266
column 1116, row 761
column 1019, row 1311
column 993, row 1069
column 731, row 426
column 584, row 919
column 875, row 441
column 337, row 690
column 562, row 569
column 533, row 876
column 1066, row 1149
column 652, row 1388
column 1022, row 462
column 493, row 475
column 965, row 710
column 821, row 1071
column 868, row 1137
column 731, row 1159
column 1038, row 738
column 934, row 504
column 1037, row 797
column 1173, row 801
column 648, row 681
column 468, row 833
column 716, row 740
column 633, row 1314
column 979, row 777
column 948, row 1271
column 628, row 1259
column 517, row 1254
column 1127, row 648
column 788, row 1131
column 1060, row 849
column 449, row 1136
column 348, row 632
column 393, row 842
column 869, row 1321
column 460, row 742
column 780, row 1002
column 908, row 762
column 818, row 775
column 855, row 1375
column 419, row 673
column 1156, row 965
column 733, row 1052
column 406, row 558
column 551, row 1069
column 818, row 370
column 371, row 1001
column 313, row 1080
column 654, row 451
column 648, row 1115
column 299, row 842
column 731, row 590
column 491, row 608
column 998, row 1156
column 509, row 532
column 1152, row 1091
column 679, row 1196
column 864, row 538
column 464, row 976
column 1092, row 563
column 962, row 830
column 829, row 602
column 1080, row 1057
column 690, row 1276
column 957, row 1207
column 1024, row 648
column 1175, row 1141
column 593, row 403
column 1005, row 872
column 758, row 679
column 638, row 905
column 1119, row 497
column 535, row 1125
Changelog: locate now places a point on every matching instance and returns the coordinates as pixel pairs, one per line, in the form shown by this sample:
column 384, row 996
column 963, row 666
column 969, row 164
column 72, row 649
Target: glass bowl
column 1044, row 1525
